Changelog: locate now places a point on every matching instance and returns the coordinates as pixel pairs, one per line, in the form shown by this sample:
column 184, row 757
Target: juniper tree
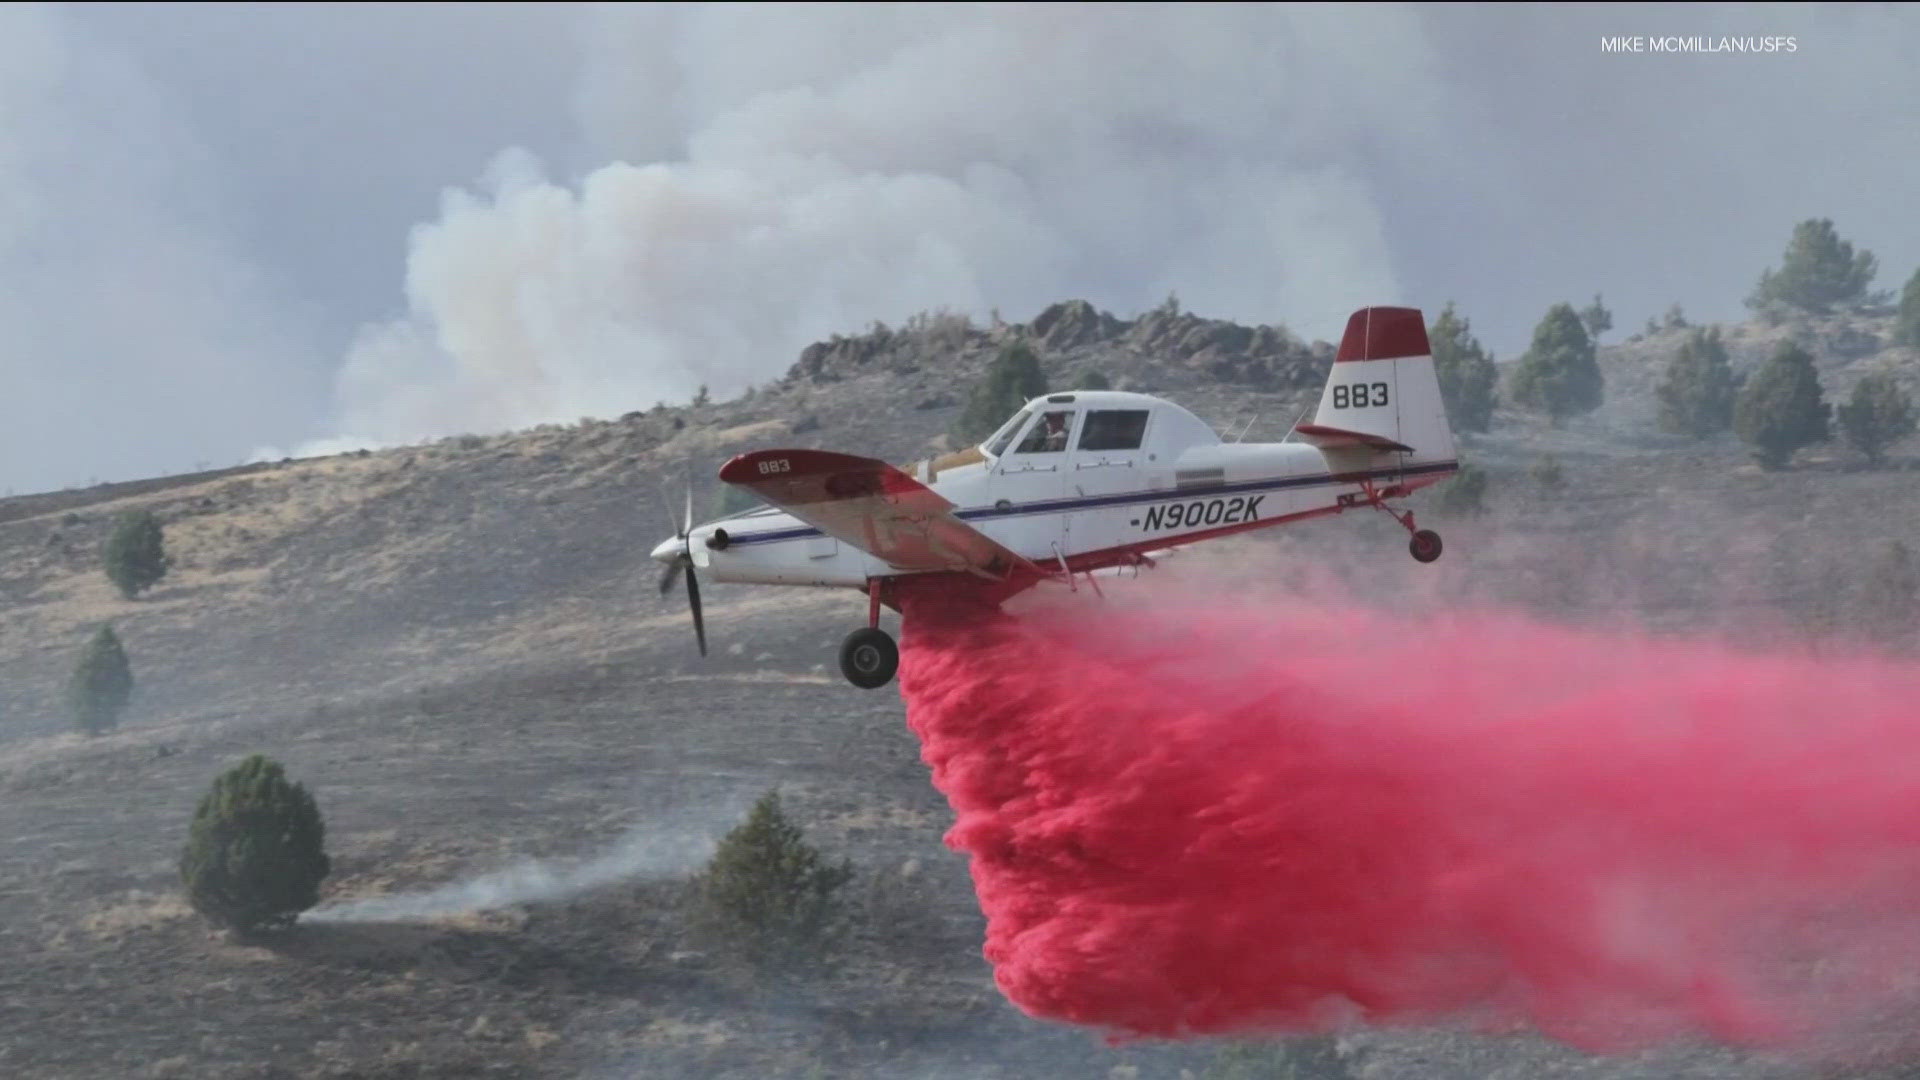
column 256, row 853
column 1596, row 318
column 1818, row 272
column 1013, row 379
column 1467, row 375
column 135, row 556
column 101, row 684
column 1782, row 408
column 1906, row 324
column 1878, row 415
column 1091, row 379
column 770, row 896
column 1696, row 397
column 1559, row 375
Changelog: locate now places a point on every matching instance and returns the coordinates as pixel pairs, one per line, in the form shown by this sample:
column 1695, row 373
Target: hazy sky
column 227, row 229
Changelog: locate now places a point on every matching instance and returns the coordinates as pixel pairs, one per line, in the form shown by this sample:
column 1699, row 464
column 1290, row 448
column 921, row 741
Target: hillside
column 459, row 646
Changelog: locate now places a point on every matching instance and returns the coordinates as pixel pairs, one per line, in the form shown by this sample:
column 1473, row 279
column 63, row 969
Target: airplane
column 1073, row 483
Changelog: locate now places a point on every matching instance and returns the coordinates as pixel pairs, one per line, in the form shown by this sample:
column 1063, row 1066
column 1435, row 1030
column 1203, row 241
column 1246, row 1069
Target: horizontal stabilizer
column 1332, row 438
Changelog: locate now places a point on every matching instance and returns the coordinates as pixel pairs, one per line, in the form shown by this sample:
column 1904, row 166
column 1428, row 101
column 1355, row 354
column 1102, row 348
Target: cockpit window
column 997, row 445
column 1114, row 429
column 1049, row 434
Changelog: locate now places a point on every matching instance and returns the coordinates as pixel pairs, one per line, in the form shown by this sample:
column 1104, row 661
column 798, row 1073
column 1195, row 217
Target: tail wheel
column 1425, row 545
column 868, row 658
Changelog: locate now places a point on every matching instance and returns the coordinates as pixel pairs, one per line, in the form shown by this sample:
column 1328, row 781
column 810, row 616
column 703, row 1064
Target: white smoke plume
column 769, row 176
column 652, row 850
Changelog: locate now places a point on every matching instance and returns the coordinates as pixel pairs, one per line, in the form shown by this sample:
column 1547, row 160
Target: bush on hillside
column 1906, row 321
column 1697, row 394
column 1467, row 375
column 1782, row 409
column 1013, row 379
column 1818, row 273
column 256, row 852
column 769, row 897
column 1596, row 318
column 135, row 557
column 101, row 683
column 1878, row 415
column 1560, row 374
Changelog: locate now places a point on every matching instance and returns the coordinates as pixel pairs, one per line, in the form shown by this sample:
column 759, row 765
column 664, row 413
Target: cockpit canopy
column 1103, row 420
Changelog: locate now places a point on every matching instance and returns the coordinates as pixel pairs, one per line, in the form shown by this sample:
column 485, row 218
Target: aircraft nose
column 667, row 551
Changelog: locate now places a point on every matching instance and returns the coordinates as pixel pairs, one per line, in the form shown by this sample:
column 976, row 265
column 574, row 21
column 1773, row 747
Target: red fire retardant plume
column 1215, row 819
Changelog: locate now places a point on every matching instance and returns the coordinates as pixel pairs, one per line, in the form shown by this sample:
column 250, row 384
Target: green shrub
column 101, row 684
column 256, row 853
column 1697, row 395
column 1013, row 379
column 1906, row 323
column 770, row 897
column 1596, row 318
column 1466, row 373
column 1559, row 375
column 1879, row 415
column 136, row 555
column 1818, row 273
column 1782, row 408
column 1093, row 380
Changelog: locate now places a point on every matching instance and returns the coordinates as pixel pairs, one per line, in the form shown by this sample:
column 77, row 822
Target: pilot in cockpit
column 1049, row 436
column 1056, row 439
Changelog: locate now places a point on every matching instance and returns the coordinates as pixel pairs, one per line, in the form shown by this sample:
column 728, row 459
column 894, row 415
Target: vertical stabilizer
column 1383, row 394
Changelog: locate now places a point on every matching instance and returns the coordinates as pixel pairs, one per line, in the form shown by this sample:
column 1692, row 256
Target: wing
column 873, row 506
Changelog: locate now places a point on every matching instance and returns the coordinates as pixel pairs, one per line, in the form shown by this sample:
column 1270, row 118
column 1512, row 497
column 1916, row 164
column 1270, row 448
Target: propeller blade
column 693, row 598
column 666, row 579
column 666, row 503
column 688, row 527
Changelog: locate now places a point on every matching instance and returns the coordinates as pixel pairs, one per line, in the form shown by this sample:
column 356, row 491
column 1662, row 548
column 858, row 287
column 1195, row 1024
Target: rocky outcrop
column 1163, row 347
column 1071, row 324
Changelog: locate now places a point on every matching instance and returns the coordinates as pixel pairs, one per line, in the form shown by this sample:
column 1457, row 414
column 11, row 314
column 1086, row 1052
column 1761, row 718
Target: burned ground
column 459, row 648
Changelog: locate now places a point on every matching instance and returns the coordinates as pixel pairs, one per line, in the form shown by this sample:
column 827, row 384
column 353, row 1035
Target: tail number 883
column 1360, row 395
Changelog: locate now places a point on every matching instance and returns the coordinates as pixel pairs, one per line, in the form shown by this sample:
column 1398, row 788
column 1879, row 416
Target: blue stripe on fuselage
column 1053, row 506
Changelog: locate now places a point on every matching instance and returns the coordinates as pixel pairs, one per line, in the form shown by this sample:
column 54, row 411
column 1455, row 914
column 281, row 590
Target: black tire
column 1425, row 545
column 868, row 658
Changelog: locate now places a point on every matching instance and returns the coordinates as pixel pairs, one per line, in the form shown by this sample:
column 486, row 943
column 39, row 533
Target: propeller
column 682, row 563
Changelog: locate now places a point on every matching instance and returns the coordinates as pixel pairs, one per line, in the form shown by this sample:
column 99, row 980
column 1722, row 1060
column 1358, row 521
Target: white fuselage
column 1177, row 484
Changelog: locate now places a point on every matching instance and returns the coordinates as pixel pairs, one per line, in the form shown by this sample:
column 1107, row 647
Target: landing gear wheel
column 1425, row 545
column 869, row 658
